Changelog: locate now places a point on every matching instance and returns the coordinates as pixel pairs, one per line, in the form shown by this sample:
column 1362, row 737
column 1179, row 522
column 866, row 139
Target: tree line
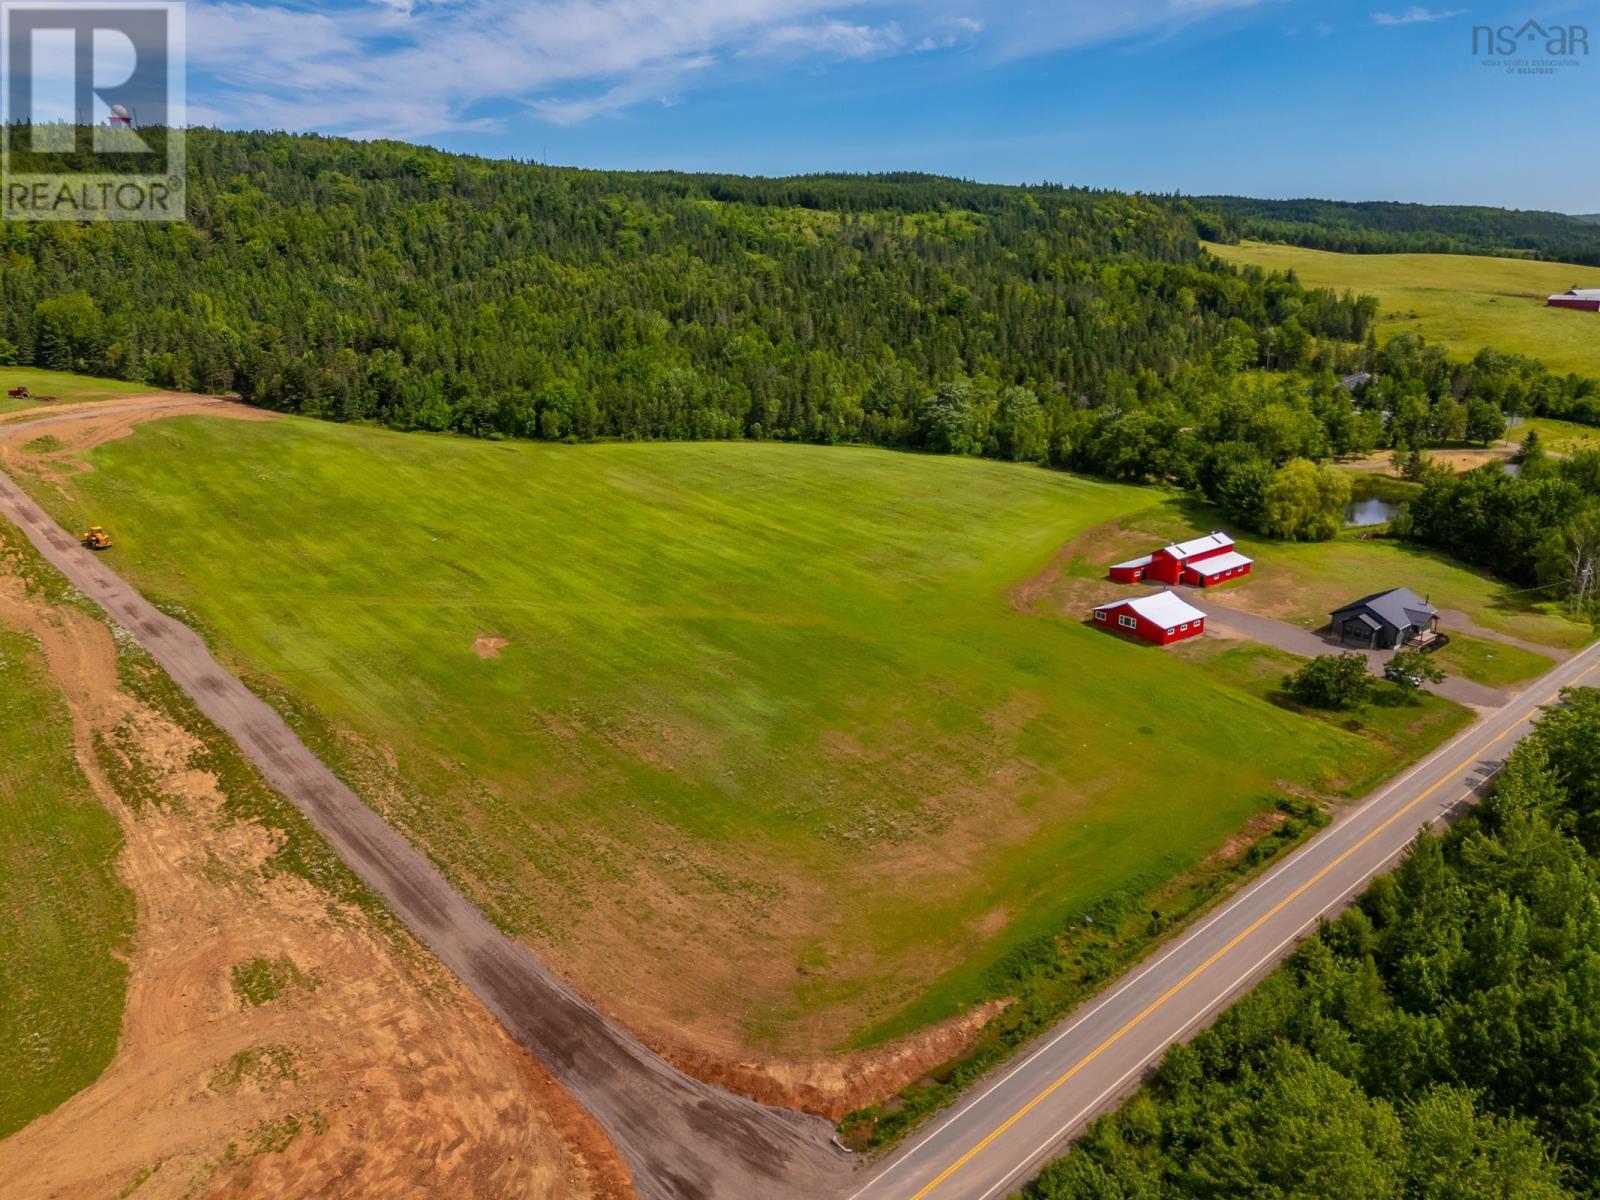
column 1438, row 1041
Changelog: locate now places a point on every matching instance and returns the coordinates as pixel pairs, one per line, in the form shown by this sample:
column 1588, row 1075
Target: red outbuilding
column 1131, row 571
column 1216, row 569
column 1163, row 618
column 1200, row 562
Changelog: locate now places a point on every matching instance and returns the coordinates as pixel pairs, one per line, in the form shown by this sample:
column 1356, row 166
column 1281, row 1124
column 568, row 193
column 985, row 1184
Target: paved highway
column 996, row 1138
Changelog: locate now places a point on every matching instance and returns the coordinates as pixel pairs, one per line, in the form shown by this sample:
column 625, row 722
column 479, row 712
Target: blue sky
column 1260, row 97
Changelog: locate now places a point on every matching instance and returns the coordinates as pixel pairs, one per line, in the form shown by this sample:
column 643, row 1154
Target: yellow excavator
column 96, row 539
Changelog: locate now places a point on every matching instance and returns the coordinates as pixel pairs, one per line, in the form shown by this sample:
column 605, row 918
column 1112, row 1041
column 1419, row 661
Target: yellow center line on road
column 1000, row 1130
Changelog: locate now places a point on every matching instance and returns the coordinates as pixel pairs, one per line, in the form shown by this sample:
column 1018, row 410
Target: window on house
column 1185, row 625
column 1099, row 616
column 1127, row 622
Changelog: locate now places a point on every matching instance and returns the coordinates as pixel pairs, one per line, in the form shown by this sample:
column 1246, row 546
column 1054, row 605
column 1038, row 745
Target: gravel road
column 683, row 1139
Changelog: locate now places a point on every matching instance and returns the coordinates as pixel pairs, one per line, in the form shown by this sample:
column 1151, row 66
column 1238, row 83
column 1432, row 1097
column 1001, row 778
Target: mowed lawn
column 63, row 385
column 752, row 743
column 1460, row 301
column 65, row 917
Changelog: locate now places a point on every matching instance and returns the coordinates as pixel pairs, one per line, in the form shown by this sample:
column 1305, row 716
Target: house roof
column 1220, row 563
column 1578, row 293
column 1397, row 608
column 1165, row 609
column 1199, row 545
column 1355, row 379
column 1142, row 561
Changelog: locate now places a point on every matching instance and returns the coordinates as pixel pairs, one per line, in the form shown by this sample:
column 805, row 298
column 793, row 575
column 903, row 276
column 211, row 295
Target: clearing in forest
column 1462, row 302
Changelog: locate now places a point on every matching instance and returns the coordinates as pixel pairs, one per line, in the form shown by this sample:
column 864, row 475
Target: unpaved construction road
column 682, row 1139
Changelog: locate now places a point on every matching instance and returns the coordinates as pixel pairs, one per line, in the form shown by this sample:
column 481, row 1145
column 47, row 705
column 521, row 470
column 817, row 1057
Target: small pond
column 1371, row 511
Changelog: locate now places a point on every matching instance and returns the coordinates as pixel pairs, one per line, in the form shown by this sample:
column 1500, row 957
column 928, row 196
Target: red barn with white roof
column 1163, row 618
column 1587, row 299
column 1200, row 562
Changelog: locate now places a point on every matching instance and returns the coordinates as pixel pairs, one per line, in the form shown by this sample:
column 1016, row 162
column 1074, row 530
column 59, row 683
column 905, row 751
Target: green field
column 1559, row 437
column 1494, row 664
column 63, row 385
column 64, row 915
column 765, row 753
column 1462, row 302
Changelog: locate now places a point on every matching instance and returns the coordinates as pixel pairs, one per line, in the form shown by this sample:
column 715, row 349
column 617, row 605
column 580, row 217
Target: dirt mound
column 832, row 1087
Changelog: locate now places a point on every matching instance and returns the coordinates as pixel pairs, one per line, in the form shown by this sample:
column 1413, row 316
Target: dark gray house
column 1385, row 620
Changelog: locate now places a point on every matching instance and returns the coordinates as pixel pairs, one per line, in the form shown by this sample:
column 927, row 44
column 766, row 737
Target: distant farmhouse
column 1162, row 618
column 1200, row 562
column 1588, row 299
column 1384, row 620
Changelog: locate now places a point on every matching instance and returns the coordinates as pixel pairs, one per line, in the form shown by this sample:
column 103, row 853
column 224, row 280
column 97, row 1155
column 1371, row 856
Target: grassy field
column 63, row 385
column 747, row 737
column 1462, row 302
column 1559, row 437
column 1495, row 664
column 64, row 915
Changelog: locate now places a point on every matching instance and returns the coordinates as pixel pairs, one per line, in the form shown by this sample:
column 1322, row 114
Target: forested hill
column 389, row 282
column 1381, row 227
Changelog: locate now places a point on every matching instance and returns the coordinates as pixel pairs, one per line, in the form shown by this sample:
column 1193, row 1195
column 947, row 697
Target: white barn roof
column 1142, row 561
column 1166, row 609
column 1199, row 545
column 1222, row 562
column 1577, row 294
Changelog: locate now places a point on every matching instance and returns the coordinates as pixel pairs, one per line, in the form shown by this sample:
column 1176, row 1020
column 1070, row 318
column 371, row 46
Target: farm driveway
column 683, row 1139
column 1297, row 640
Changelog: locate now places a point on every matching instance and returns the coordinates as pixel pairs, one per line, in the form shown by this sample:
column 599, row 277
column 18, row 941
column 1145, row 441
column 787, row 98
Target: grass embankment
column 63, row 385
column 746, row 736
column 65, row 917
column 1459, row 301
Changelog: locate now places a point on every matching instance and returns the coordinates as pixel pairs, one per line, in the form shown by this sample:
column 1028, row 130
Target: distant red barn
column 1200, row 562
column 1587, row 299
column 1163, row 618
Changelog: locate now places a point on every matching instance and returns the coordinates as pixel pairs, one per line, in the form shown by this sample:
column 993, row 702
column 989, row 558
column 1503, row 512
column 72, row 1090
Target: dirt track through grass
column 684, row 1140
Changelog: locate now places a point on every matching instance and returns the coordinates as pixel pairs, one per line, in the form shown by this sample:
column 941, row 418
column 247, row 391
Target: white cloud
column 411, row 68
column 1416, row 15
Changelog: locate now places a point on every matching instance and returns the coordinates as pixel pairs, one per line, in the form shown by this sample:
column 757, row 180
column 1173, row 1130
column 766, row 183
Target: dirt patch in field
column 1252, row 831
column 380, row 1077
column 1465, row 459
column 1065, row 586
column 485, row 646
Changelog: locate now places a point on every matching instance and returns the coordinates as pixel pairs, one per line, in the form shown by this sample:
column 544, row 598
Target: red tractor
column 20, row 393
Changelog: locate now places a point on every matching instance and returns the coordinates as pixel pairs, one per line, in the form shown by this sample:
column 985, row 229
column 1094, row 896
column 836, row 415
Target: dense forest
column 398, row 284
column 1383, row 227
column 1438, row 1041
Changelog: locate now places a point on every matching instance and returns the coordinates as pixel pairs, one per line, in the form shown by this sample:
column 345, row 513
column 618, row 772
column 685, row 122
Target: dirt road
column 683, row 1139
